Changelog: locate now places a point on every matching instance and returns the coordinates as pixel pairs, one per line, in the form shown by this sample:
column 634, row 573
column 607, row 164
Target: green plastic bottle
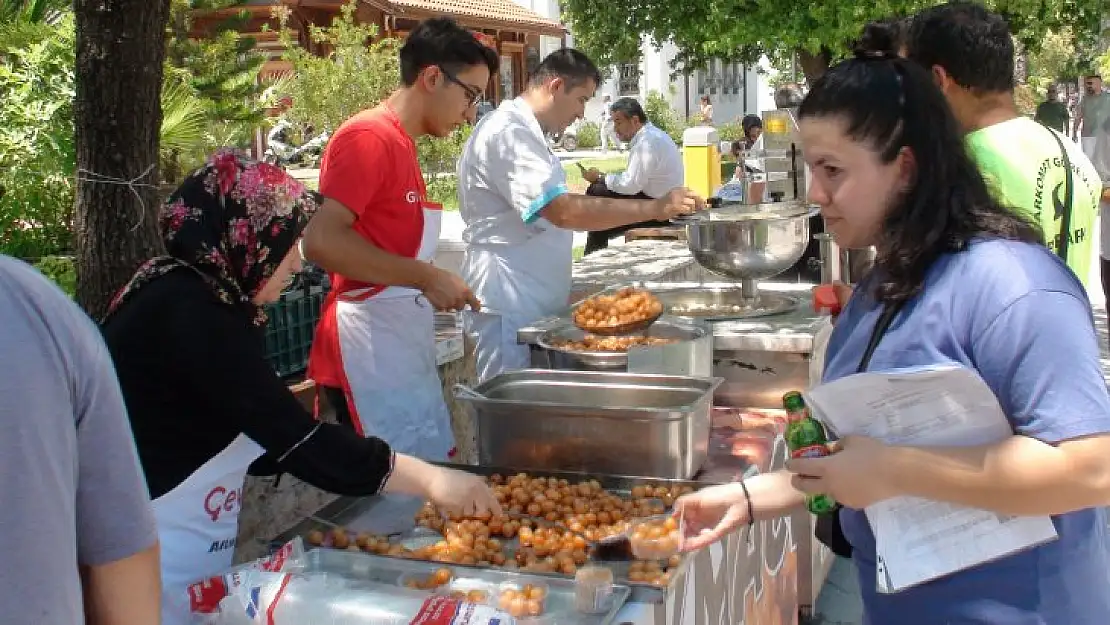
column 806, row 438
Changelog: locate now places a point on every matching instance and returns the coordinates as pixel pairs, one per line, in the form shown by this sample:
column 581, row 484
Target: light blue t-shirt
column 1018, row 316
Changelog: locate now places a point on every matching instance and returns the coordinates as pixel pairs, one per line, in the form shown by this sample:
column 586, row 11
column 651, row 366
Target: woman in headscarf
column 186, row 337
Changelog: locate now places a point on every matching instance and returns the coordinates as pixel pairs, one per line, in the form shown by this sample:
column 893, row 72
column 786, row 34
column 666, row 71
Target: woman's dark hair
column 890, row 104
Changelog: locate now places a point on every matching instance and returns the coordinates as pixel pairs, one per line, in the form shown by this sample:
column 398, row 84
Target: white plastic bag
column 206, row 596
column 328, row 599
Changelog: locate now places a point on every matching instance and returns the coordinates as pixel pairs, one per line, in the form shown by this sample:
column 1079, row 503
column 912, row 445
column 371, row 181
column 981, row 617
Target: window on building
column 714, row 76
column 629, row 83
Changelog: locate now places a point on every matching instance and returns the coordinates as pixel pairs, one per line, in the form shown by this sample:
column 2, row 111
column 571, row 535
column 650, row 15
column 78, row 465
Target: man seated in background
column 654, row 168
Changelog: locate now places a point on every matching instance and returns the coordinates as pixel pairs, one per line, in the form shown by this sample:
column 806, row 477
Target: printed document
column 918, row 540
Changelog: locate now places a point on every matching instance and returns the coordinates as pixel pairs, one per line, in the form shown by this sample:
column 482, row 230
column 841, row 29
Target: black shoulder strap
column 881, row 326
column 1064, row 237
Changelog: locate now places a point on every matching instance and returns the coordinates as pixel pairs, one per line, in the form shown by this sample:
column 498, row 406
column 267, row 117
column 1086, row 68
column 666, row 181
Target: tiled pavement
column 839, row 603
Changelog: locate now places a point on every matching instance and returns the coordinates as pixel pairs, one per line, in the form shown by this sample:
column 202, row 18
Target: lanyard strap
column 1064, row 237
column 881, row 326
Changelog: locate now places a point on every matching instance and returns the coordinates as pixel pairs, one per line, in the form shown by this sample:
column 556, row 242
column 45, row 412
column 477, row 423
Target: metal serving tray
column 614, row 423
column 394, row 516
column 558, row 609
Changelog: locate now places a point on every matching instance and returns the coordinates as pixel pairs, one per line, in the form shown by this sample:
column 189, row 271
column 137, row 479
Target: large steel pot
column 749, row 242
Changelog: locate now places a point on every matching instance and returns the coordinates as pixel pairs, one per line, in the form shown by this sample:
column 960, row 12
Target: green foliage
column 730, row 131
column 1053, row 61
column 588, row 135
column 62, row 270
column 358, row 73
column 660, row 112
column 37, row 152
column 745, row 30
column 215, row 77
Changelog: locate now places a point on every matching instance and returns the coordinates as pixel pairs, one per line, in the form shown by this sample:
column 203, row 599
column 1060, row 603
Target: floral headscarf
column 232, row 221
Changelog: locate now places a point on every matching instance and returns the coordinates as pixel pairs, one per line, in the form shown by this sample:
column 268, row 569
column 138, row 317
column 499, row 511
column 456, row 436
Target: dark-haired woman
column 185, row 336
column 973, row 286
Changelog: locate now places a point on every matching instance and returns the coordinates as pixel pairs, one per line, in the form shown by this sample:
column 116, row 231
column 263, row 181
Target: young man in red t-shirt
column 376, row 233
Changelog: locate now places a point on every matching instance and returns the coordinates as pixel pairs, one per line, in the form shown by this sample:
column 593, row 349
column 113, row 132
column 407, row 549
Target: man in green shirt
column 971, row 55
column 1052, row 112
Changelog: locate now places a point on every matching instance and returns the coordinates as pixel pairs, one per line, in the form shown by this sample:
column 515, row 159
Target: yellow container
column 701, row 160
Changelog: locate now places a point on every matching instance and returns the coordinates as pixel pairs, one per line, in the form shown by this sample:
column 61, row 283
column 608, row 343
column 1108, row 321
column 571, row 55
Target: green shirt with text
column 1023, row 165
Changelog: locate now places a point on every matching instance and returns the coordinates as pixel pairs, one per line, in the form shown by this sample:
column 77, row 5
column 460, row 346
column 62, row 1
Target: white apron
column 518, row 285
column 387, row 344
column 198, row 522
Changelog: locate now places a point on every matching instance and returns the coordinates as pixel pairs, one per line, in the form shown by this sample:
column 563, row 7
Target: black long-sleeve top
column 195, row 376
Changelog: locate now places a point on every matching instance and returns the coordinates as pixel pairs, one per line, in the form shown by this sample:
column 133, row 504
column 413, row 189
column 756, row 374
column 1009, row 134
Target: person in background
column 1052, row 112
column 606, row 123
column 376, row 235
column 971, row 284
column 1100, row 157
column 78, row 529
column 705, row 114
column 186, row 338
column 970, row 53
column 752, row 126
column 654, row 168
column 1094, row 108
column 520, row 216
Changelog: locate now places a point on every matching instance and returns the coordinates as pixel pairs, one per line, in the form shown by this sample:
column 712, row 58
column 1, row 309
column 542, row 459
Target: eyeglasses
column 473, row 94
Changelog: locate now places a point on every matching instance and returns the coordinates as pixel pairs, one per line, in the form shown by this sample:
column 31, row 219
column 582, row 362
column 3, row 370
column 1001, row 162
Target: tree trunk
column 814, row 65
column 117, row 116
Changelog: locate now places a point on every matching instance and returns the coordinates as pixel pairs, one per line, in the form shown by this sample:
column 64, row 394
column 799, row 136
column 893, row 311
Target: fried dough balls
column 628, row 305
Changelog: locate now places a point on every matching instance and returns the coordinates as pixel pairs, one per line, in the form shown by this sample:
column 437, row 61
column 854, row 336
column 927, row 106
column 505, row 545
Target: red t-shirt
column 370, row 167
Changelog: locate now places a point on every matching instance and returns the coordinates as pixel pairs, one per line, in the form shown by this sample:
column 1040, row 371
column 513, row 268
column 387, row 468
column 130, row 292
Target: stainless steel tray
column 616, row 423
column 685, row 334
column 394, row 516
column 559, row 608
column 721, row 303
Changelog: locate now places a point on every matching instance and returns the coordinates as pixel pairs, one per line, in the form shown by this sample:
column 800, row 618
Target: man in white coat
column 520, row 216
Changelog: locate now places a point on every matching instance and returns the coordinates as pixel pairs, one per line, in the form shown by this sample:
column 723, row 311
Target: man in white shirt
column 654, row 168
column 520, row 216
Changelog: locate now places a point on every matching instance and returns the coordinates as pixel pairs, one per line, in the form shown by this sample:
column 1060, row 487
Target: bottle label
column 810, row 451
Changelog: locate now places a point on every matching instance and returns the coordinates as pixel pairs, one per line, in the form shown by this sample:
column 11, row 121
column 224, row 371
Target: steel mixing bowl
column 749, row 242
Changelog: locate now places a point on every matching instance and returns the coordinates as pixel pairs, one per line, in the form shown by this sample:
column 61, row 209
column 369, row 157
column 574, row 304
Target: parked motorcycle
column 281, row 151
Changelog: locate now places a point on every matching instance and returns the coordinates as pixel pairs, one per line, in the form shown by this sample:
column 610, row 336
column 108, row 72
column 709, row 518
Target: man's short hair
column 631, row 108
column 972, row 44
column 441, row 42
column 1092, row 76
column 574, row 67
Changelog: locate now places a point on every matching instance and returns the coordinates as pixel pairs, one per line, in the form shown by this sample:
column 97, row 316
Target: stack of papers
column 919, row 540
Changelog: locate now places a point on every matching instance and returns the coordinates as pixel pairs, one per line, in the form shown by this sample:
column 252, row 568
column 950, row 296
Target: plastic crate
column 289, row 331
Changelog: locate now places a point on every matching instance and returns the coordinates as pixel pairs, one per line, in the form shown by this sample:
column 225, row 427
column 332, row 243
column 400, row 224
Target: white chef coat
column 654, row 165
column 517, row 263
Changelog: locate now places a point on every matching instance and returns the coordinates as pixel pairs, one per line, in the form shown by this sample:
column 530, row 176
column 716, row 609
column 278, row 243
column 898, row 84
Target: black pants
column 599, row 240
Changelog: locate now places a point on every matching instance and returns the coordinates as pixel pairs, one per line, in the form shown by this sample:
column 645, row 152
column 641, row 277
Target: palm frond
column 183, row 119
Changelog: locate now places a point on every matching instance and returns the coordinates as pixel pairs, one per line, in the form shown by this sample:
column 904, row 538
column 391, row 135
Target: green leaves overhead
column 745, row 30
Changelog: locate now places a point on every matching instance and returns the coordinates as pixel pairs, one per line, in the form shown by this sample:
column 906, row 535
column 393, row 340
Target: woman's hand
column 710, row 513
column 461, row 493
column 454, row 492
column 853, row 474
